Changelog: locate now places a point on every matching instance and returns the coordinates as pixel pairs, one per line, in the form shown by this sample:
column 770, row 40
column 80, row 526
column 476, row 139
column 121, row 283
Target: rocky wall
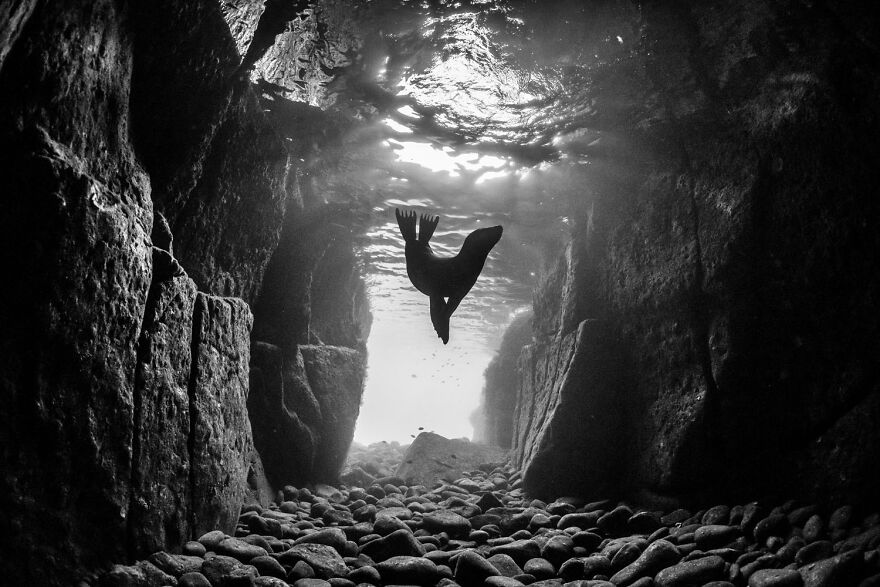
column 123, row 388
column 730, row 267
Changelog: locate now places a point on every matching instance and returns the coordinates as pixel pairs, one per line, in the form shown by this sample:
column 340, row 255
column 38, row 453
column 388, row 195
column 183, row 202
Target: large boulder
column 432, row 458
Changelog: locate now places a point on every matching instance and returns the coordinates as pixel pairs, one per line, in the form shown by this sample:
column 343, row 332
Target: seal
column 445, row 280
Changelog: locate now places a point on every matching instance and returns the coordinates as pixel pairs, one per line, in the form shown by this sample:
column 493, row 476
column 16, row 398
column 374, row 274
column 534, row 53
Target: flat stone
column 239, row 549
column 697, row 571
column 333, row 537
column 715, row 536
column 505, row 565
column 193, row 580
column 268, row 565
column 311, row 583
column 324, row 559
column 519, row 550
column 446, row 521
column 408, row 570
column 502, row 582
column 398, row 543
column 776, row 578
column 541, row 568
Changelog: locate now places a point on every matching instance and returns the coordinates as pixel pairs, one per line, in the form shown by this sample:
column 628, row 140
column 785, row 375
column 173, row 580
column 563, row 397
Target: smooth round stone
column 212, row 539
column 502, row 582
column 558, row 549
column 698, row 571
column 625, row 556
column 519, row 550
column 398, row 543
column 269, row 581
column 267, row 565
column 561, row 508
column 614, row 523
column 505, row 565
column 813, row 528
column 412, row 570
column 340, row 582
column 386, row 525
column 311, row 583
column 472, row 569
column 193, row 580
column 675, row 517
column 840, row 518
column 445, row 521
column 194, row 548
column 333, row 537
column 715, row 536
column 716, row 515
column 401, row 512
column 541, row 568
column 656, row 557
column 540, row 521
column 773, row 525
column 526, row 578
column 776, row 578
column 301, row 570
column 643, row 522
column 479, row 536
column 365, row 575
column 579, row 520
column 587, row 540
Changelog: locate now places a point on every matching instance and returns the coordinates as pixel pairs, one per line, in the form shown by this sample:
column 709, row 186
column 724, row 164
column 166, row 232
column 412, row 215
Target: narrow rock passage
column 482, row 531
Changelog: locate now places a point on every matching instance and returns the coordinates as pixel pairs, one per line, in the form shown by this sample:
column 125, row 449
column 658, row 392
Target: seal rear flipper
column 440, row 317
column 406, row 221
column 427, row 224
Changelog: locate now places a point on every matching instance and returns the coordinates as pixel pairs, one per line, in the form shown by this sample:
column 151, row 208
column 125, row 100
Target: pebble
column 471, row 569
column 776, row 578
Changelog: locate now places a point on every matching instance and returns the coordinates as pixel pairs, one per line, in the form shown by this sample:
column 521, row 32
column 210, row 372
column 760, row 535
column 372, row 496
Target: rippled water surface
column 483, row 113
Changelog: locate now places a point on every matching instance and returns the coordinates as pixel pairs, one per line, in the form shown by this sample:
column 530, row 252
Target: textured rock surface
column 310, row 361
column 306, row 401
column 221, row 431
column 432, row 458
column 493, row 421
column 75, row 241
column 103, row 384
column 732, row 265
column 160, row 499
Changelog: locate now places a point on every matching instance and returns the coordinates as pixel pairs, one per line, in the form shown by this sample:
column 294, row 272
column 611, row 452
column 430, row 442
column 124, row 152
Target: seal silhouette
column 445, row 280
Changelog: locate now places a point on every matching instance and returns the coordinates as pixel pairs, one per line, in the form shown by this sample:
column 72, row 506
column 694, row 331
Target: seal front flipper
column 440, row 317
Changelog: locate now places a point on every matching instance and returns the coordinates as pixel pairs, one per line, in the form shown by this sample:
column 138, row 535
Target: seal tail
column 407, row 223
column 427, row 224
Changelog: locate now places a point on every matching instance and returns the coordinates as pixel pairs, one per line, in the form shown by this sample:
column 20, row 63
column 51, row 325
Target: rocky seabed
column 482, row 531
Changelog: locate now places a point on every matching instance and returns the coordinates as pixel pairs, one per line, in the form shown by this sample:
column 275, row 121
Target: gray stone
column 656, row 557
column 398, row 543
column 699, row 571
column 408, row 570
column 325, row 561
column 471, row 569
column 776, row 578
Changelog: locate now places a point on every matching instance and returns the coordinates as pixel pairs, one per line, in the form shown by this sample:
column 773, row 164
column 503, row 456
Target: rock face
column 695, row 316
column 310, row 350
column 432, row 458
column 493, row 421
column 124, row 373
